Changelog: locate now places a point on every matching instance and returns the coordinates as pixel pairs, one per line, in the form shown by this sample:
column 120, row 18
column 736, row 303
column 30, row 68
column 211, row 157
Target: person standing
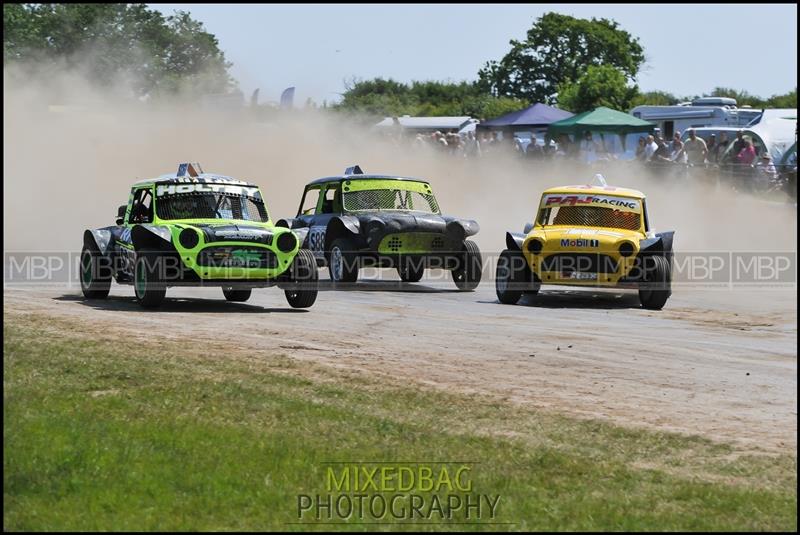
column 440, row 141
column 695, row 149
column 676, row 148
column 747, row 155
column 720, row 147
column 766, row 174
column 533, row 150
column 641, row 149
column 484, row 142
column 676, row 139
column 766, row 167
column 711, row 145
column 588, row 148
column 472, row 147
column 454, row 144
column 562, row 149
column 650, row 148
column 739, row 144
column 661, row 154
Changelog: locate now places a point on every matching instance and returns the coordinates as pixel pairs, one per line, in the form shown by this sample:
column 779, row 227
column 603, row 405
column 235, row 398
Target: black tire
column 467, row 274
column 95, row 274
column 411, row 270
column 147, row 283
column 343, row 261
column 533, row 285
column 513, row 278
column 657, row 286
column 237, row 295
column 533, row 282
column 303, row 272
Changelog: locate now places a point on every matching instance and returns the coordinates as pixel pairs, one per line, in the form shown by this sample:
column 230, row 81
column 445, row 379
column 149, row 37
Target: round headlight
column 626, row 248
column 287, row 241
column 189, row 238
column 534, row 246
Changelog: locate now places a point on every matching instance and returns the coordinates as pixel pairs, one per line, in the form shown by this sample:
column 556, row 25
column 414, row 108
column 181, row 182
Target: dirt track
column 721, row 363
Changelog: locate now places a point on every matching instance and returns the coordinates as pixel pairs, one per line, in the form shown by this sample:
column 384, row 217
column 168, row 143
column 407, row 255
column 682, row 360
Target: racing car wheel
column 148, row 285
column 467, row 274
column 95, row 277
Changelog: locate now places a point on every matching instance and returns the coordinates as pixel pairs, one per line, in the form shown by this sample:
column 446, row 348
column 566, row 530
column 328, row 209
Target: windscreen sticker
column 605, row 201
column 404, row 185
column 594, row 231
column 175, row 189
column 209, row 178
column 240, row 234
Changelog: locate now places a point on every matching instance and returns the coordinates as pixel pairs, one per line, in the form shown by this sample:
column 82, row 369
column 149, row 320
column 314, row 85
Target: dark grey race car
column 355, row 220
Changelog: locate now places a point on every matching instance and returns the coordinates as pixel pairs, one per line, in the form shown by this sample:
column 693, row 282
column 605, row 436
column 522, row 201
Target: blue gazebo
column 537, row 116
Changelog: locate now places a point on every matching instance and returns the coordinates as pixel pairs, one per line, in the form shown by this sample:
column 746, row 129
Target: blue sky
column 690, row 48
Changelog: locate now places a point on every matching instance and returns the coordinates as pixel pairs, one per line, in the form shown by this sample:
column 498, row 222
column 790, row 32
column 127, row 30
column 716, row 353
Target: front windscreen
column 210, row 205
column 389, row 199
column 590, row 216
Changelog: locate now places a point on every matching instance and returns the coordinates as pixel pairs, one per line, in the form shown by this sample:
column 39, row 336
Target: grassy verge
column 104, row 432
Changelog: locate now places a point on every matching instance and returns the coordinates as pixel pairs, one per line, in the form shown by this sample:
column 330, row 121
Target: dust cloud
column 71, row 152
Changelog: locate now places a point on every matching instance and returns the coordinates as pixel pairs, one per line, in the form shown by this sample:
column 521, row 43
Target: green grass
column 105, row 433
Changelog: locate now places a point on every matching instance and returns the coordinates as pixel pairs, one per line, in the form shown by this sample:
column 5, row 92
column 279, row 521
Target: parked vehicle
column 704, row 112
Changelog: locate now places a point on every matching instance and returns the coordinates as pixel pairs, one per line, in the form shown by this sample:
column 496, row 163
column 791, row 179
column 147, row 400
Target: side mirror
column 121, row 213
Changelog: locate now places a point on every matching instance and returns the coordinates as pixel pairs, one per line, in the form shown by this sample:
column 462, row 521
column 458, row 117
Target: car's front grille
column 245, row 257
column 413, row 243
column 579, row 262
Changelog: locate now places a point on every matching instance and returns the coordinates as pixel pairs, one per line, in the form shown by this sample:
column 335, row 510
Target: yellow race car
column 592, row 235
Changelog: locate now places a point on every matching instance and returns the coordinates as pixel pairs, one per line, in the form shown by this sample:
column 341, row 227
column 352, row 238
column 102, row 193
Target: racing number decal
column 316, row 239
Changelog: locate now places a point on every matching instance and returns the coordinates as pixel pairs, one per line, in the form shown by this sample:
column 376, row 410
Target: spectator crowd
column 651, row 150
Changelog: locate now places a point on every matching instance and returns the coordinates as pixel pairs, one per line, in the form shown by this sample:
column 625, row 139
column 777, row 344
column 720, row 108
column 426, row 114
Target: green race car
column 357, row 219
column 196, row 229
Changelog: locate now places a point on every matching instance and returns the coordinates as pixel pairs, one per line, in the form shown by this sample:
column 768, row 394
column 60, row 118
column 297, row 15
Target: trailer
column 702, row 112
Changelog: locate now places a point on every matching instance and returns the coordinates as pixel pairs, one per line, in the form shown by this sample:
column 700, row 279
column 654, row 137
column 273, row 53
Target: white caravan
column 701, row 112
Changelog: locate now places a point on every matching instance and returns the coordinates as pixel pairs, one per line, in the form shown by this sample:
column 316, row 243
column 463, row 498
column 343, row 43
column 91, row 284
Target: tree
column 655, row 98
column 378, row 97
column 789, row 100
column 743, row 98
column 381, row 98
column 111, row 40
column 19, row 31
column 492, row 107
column 193, row 58
column 559, row 49
column 599, row 86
